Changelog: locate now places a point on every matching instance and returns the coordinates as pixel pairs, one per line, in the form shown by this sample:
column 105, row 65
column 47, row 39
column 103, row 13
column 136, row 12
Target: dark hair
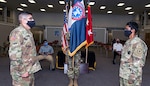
column 25, row 12
column 133, row 25
column 44, row 40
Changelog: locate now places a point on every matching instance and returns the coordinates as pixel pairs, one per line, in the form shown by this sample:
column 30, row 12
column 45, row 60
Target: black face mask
column 31, row 24
column 127, row 33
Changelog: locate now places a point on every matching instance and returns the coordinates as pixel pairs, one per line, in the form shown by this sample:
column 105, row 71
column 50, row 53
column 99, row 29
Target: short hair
column 23, row 14
column 44, row 40
column 133, row 25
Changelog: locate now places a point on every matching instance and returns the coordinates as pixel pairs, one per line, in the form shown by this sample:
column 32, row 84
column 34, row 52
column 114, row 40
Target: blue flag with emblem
column 77, row 27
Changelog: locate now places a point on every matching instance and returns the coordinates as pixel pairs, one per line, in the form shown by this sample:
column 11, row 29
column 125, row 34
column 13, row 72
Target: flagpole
column 70, row 3
column 86, row 55
column 73, row 62
column 66, row 7
column 67, row 21
column 72, row 56
column 87, row 47
column 88, row 2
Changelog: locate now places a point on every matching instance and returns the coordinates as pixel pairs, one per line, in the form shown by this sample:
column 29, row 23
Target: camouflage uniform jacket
column 133, row 58
column 22, row 50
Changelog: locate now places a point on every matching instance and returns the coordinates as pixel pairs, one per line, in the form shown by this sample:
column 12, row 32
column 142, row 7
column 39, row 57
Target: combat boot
column 71, row 82
column 75, row 82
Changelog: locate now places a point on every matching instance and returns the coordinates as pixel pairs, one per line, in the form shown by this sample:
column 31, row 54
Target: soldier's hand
column 34, row 59
column 25, row 75
column 131, row 79
column 67, row 35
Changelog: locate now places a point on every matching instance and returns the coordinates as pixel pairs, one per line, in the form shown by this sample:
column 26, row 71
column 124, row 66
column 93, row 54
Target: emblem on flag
column 77, row 12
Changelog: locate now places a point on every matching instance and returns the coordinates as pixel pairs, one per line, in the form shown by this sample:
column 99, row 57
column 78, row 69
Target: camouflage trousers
column 125, row 82
column 29, row 81
column 73, row 68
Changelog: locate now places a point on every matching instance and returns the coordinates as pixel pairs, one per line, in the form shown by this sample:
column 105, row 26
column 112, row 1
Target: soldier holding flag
column 78, row 36
column 76, row 39
column 73, row 65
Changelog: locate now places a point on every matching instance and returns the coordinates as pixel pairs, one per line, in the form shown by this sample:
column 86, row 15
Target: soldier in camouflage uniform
column 73, row 66
column 132, row 58
column 22, row 52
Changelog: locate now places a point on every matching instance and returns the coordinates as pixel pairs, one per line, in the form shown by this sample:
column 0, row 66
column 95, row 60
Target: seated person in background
column 117, row 48
column 46, row 52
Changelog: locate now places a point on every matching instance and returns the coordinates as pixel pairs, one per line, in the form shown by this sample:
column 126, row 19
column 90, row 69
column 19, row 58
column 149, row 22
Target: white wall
column 55, row 19
column 99, row 21
column 119, row 34
column 53, row 33
column 103, row 21
column 5, row 30
column 116, row 21
column 50, row 34
column 100, row 34
column 48, row 19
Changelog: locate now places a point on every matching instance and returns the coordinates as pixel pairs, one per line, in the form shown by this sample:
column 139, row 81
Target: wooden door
column 147, row 39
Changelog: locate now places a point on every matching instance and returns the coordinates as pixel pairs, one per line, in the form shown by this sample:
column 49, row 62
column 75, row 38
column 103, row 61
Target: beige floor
column 106, row 74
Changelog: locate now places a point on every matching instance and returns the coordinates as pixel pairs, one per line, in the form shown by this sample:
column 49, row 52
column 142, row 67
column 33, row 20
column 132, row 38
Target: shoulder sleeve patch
column 138, row 52
column 12, row 38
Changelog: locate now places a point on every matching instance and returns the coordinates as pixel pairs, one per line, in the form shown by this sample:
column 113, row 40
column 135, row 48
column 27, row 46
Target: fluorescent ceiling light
column 61, row 2
column 109, row 12
column 86, row 11
column 50, row 6
column 4, row 1
column 42, row 9
column 20, row 9
column 148, row 5
column 64, row 10
column 23, row 5
column 130, row 12
column 92, row 3
column 128, row 8
column 149, row 13
column 1, row 8
column 31, row 1
column 120, row 4
column 102, row 7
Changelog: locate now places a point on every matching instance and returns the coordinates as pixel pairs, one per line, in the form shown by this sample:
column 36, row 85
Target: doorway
column 38, row 34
